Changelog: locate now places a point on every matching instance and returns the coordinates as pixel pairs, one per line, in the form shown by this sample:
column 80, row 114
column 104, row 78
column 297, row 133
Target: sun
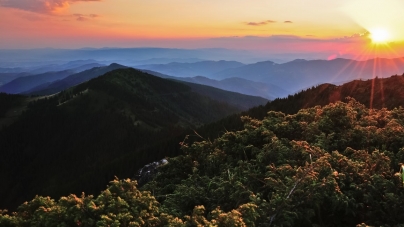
column 379, row 35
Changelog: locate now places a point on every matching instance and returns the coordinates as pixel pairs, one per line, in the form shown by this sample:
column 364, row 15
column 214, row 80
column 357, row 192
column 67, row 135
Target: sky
column 356, row 28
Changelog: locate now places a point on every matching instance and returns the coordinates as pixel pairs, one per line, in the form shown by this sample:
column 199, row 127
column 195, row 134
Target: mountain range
column 301, row 74
column 43, row 67
column 126, row 56
column 234, row 84
column 266, row 79
column 201, row 68
column 241, row 101
column 241, row 85
column 292, row 76
column 6, row 77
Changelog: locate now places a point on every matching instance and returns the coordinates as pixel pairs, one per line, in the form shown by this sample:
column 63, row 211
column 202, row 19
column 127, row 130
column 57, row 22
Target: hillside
column 93, row 119
column 8, row 101
column 241, row 101
column 305, row 169
column 110, row 125
column 377, row 93
column 374, row 93
column 11, row 107
column 337, row 165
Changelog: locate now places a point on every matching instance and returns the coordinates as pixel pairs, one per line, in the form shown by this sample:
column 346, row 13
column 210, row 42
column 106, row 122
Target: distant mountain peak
column 116, row 65
column 265, row 63
column 200, row 77
column 299, row 60
column 81, row 61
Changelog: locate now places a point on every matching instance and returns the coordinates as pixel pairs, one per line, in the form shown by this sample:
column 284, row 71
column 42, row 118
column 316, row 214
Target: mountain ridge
column 24, row 82
column 72, row 80
column 122, row 118
column 247, row 87
column 297, row 75
column 201, row 68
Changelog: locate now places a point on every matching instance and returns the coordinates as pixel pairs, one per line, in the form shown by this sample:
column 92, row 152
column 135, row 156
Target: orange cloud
column 41, row 6
column 259, row 23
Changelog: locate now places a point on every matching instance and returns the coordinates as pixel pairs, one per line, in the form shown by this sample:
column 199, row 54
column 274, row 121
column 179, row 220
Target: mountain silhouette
column 301, row 74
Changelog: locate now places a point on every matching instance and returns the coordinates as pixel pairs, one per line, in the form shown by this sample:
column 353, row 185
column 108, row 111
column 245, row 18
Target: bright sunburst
column 379, row 35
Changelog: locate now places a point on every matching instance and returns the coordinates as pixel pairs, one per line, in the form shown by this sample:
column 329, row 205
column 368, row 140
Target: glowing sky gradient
column 337, row 27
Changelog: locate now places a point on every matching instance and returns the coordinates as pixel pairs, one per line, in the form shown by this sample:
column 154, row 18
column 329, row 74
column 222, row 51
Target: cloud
column 290, row 39
column 83, row 17
column 287, row 22
column 259, row 23
column 40, row 6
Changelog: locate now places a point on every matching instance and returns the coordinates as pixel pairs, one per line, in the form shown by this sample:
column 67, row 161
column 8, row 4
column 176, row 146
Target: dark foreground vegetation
column 337, row 165
column 8, row 101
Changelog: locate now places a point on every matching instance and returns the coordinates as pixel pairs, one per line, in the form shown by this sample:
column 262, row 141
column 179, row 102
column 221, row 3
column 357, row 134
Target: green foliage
column 332, row 165
column 337, row 165
column 121, row 204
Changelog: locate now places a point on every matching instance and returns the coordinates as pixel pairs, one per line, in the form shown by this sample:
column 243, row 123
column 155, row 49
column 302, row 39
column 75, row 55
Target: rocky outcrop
column 148, row 171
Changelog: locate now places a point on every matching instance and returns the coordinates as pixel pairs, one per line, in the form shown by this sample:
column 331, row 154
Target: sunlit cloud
column 357, row 37
column 260, row 23
column 41, row 6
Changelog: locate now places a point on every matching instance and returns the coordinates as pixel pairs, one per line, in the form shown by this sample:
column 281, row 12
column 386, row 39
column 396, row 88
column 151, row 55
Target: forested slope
column 8, row 101
column 80, row 138
column 336, row 165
